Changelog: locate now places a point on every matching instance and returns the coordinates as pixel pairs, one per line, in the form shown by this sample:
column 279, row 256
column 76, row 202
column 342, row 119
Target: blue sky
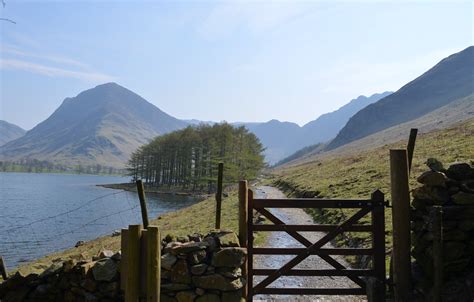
column 234, row 61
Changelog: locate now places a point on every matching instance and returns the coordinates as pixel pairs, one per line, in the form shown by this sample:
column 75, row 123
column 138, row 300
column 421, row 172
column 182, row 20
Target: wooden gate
column 375, row 275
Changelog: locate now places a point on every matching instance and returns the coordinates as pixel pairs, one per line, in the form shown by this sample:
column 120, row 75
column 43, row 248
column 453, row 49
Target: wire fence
column 90, row 219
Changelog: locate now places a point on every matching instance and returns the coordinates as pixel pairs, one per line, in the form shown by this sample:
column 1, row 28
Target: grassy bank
column 132, row 187
column 358, row 175
column 198, row 218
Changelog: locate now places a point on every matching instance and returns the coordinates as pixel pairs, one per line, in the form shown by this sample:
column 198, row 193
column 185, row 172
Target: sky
column 222, row 60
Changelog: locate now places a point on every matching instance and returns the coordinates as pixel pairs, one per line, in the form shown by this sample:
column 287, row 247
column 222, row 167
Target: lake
column 44, row 213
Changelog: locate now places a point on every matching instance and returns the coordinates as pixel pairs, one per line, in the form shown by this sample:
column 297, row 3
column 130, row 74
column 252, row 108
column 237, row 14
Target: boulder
column 196, row 256
column 235, row 296
column 188, row 247
column 228, row 239
column 463, row 198
column 219, row 282
column 180, row 273
column 433, row 178
column 173, row 287
column 209, row 298
column 437, row 195
column 186, row 296
column 104, row 270
column 168, row 260
column 460, row 171
column 229, row 272
column 434, row 164
column 199, row 269
column 229, row 257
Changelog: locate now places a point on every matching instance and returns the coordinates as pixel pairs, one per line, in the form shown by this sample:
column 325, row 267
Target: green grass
column 358, row 175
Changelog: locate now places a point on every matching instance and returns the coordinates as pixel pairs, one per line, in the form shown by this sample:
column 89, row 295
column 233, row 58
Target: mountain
column 449, row 80
column 9, row 132
column 328, row 125
column 102, row 125
column 279, row 138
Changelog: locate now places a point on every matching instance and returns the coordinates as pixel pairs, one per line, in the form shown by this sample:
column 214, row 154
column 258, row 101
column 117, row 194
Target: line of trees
column 188, row 158
column 43, row 166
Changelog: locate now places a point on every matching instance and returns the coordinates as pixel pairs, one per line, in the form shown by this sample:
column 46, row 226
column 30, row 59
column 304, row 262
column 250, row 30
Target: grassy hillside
column 357, row 175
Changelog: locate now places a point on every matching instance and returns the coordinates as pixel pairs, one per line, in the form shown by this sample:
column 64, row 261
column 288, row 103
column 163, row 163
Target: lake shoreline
column 131, row 187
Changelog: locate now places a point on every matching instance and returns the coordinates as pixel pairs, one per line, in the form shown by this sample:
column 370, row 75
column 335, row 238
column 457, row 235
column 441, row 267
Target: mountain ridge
column 9, row 132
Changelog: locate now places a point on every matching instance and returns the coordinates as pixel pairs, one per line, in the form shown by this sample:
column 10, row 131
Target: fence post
column 250, row 244
column 3, row 269
column 243, row 200
column 124, row 259
column 411, row 146
column 401, row 223
column 132, row 291
column 220, row 175
column 153, row 264
column 378, row 244
column 437, row 230
column 141, row 196
column 143, row 263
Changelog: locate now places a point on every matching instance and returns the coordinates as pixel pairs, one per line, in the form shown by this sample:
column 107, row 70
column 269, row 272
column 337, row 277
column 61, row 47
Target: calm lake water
column 43, row 213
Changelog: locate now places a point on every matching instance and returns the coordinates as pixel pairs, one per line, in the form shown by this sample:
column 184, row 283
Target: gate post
column 401, row 224
column 243, row 200
column 378, row 244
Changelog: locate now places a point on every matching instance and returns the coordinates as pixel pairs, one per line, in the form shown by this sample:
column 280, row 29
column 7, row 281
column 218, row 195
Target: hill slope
column 9, row 132
column 102, row 125
column 449, row 80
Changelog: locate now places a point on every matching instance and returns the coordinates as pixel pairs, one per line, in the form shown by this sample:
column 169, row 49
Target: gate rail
column 375, row 206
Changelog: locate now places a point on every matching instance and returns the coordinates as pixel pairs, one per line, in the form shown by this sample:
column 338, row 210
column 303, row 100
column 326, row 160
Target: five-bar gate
column 370, row 280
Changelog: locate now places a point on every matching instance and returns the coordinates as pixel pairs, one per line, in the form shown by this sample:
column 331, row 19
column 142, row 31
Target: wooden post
column 401, row 223
column 220, row 175
column 153, row 264
column 437, row 230
column 3, row 269
column 124, row 259
column 243, row 218
column 143, row 263
column 411, row 146
column 249, row 283
column 141, row 196
column 132, row 290
column 378, row 244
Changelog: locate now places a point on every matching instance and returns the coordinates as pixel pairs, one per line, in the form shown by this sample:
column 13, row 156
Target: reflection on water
column 43, row 213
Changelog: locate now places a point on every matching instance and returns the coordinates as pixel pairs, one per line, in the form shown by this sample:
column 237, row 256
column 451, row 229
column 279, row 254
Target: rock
column 110, row 289
column 79, row 243
column 211, row 242
column 437, row 195
column 51, row 270
column 218, row 282
column 180, row 273
column 104, row 270
column 198, row 269
column 86, row 268
column 460, row 171
column 105, row 254
column 434, row 165
column 197, row 257
column 169, row 246
column 188, row 247
column 229, row 257
column 116, row 233
column 186, row 296
column 89, row 285
column 173, row 287
column 200, row 291
column 117, row 256
column 195, row 237
column 167, row 261
column 228, row 239
column 228, row 272
column 463, row 198
column 432, row 178
column 421, row 203
column 209, row 298
column 68, row 265
column 235, row 296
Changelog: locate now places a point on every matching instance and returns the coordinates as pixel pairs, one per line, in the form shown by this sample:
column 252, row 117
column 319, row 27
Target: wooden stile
column 378, row 244
column 401, row 223
column 124, row 259
column 153, row 264
column 132, row 289
column 220, row 176
column 143, row 262
column 243, row 225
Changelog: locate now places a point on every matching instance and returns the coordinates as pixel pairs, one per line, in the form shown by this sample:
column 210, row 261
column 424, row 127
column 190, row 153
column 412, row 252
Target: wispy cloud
column 12, row 50
column 256, row 17
column 14, row 64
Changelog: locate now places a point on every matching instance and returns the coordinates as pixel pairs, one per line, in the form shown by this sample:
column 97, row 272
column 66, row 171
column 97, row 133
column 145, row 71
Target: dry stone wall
column 193, row 268
column 453, row 190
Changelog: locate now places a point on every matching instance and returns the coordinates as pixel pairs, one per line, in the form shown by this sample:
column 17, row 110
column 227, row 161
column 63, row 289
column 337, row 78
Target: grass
column 198, row 218
column 358, row 175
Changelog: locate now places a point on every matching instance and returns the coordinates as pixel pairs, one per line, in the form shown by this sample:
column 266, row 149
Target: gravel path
column 281, row 239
